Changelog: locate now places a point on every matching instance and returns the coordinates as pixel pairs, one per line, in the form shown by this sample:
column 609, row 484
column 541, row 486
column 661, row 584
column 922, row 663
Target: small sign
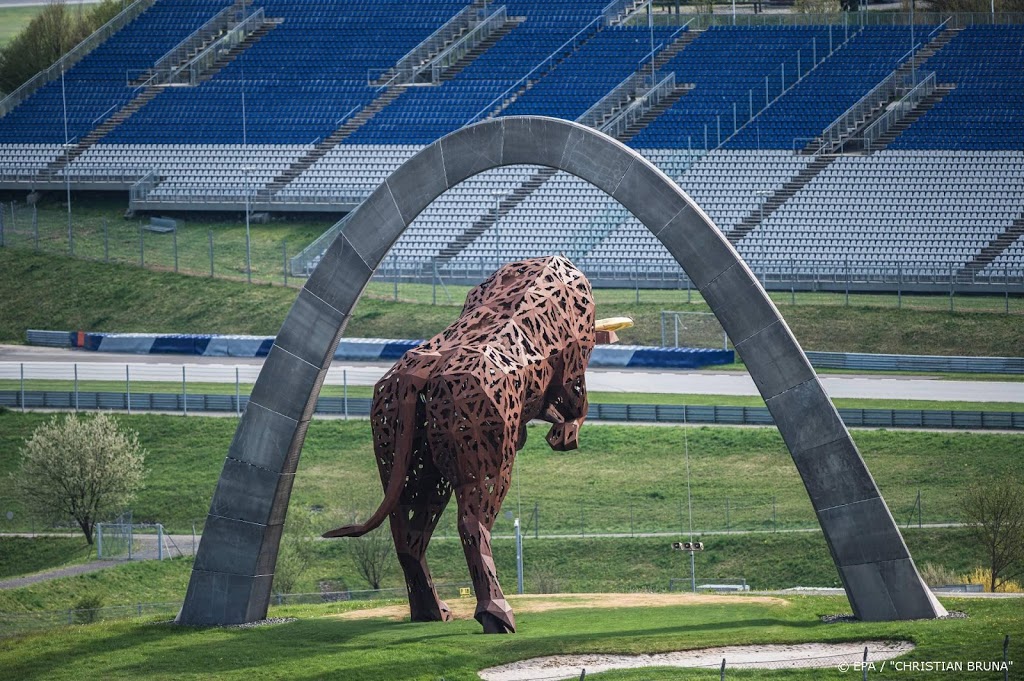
column 464, row 592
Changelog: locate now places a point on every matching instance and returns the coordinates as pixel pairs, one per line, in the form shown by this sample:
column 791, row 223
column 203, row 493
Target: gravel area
column 797, row 656
column 846, row 617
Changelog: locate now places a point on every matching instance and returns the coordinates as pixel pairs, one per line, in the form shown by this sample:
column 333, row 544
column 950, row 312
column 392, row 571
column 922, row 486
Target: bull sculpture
column 452, row 413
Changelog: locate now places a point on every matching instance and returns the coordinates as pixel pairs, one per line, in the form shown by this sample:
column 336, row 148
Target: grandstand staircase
column 775, row 201
column 928, row 50
column 485, row 222
column 985, row 257
column 390, row 94
column 677, row 46
column 921, row 109
column 484, row 45
column 103, row 129
column 661, row 107
column 230, row 55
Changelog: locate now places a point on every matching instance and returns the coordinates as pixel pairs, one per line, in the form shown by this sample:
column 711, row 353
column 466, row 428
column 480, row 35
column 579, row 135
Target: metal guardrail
column 457, row 50
column 614, row 9
column 872, row 18
column 639, row 413
column 622, row 92
column 937, row 363
column 899, row 110
column 75, row 55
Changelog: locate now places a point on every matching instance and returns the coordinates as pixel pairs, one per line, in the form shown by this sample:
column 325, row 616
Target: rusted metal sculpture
column 452, row 413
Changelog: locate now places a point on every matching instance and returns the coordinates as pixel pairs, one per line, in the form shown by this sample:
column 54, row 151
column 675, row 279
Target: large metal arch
column 234, row 566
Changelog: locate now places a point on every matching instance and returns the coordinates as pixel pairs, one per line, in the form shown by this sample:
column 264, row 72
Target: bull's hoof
column 494, row 625
column 496, row 617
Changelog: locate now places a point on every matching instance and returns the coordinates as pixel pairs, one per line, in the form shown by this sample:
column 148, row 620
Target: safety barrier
column 628, row 413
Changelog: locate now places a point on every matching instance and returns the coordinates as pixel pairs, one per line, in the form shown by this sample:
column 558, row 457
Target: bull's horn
column 613, row 323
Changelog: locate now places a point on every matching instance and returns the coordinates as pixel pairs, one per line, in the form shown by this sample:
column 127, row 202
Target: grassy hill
column 58, row 292
column 621, row 479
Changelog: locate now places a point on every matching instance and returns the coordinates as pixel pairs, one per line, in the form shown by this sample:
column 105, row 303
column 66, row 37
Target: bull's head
column 566, row 404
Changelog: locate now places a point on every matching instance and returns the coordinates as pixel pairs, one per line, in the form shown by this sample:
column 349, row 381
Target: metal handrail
column 413, row 61
column 299, row 263
column 74, row 55
column 458, row 49
column 607, row 102
column 613, row 9
column 898, row 111
column 195, row 39
column 640, row 106
column 236, row 35
column 850, row 119
column 525, row 79
column 938, row 28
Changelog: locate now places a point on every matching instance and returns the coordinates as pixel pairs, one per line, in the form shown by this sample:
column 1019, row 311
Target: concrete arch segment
column 233, row 570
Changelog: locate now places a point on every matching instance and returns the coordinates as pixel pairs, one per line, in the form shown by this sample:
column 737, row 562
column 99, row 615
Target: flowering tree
column 80, row 468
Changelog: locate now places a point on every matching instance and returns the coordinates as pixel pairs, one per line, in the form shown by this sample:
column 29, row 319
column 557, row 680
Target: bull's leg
column 478, row 508
column 412, row 523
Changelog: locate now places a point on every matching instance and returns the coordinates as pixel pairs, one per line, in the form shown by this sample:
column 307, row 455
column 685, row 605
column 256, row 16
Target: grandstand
column 850, row 145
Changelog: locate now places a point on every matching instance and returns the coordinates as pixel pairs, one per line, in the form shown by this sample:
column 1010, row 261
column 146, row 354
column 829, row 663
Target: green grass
column 617, row 468
column 596, row 397
column 49, row 291
column 356, row 650
column 25, row 555
column 101, row 233
column 14, row 19
column 607, row 564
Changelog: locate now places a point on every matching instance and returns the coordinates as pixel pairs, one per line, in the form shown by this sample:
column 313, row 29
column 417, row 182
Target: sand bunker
column 768, row 656
column 463, row 608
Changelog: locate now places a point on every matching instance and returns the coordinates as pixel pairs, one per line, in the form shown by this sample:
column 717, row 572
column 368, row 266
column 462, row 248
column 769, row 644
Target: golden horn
column 613, row 323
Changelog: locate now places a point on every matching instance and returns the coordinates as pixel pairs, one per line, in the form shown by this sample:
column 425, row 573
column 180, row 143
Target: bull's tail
column 406, row 423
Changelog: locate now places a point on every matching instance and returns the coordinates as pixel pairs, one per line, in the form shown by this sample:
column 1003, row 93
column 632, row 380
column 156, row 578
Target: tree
column 50, row 34
column 996, row 512
column 372, row 554
column 296, row 553
column 82, row 469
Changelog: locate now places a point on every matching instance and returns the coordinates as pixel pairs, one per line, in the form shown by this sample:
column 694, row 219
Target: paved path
column 178, row 544
column 60, row 364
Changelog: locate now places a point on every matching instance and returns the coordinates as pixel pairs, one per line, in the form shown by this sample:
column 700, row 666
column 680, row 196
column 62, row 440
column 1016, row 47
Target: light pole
column 763, row 194
column 248, row 243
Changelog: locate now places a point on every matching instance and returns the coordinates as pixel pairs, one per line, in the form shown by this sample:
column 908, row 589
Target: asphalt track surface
column 47, row 363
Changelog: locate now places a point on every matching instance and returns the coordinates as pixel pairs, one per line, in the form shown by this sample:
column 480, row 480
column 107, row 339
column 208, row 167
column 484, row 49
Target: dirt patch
column 795, row 656
column 463, row 608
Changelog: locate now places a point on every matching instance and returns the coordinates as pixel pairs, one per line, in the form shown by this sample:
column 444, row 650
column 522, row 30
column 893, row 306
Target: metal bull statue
column 452, row 413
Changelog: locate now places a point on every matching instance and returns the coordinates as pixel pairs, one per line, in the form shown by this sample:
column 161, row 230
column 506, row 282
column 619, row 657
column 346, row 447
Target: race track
column 45, row 363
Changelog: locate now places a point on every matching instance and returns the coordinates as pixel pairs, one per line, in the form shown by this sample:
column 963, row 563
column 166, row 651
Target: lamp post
column 248, row 242
column 497, row 229
column 763, row 194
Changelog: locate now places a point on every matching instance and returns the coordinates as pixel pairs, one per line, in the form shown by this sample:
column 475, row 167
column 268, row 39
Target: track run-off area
column 48, row 363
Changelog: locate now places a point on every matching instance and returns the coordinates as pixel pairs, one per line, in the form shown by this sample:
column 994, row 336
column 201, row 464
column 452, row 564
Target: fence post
column 433, row 280
column 127, row 390
column 76, row 386
column 193, row 537
column 1006, row 658
column 284, row 255
column 22, row 387
column 792, row 283
column 174, row 236
column 721, row 673
column 899, row 285
column 106, row 242
column 99, row 541
column 344, row 391
column 35, row 227
column 209, row 237
column 775, row 516
column 631, row 519
column 159, row 541
column 582, row 521
column 864, row 666
column 1006, row 285
column 728, row 525
column 238, row 395
column 184, row 393
column 536, row 520
column 951, row 275
column 142, row 248
column 846, row 268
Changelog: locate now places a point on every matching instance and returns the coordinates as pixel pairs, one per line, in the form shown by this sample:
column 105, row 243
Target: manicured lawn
column 371, row 649
column 14, row 19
